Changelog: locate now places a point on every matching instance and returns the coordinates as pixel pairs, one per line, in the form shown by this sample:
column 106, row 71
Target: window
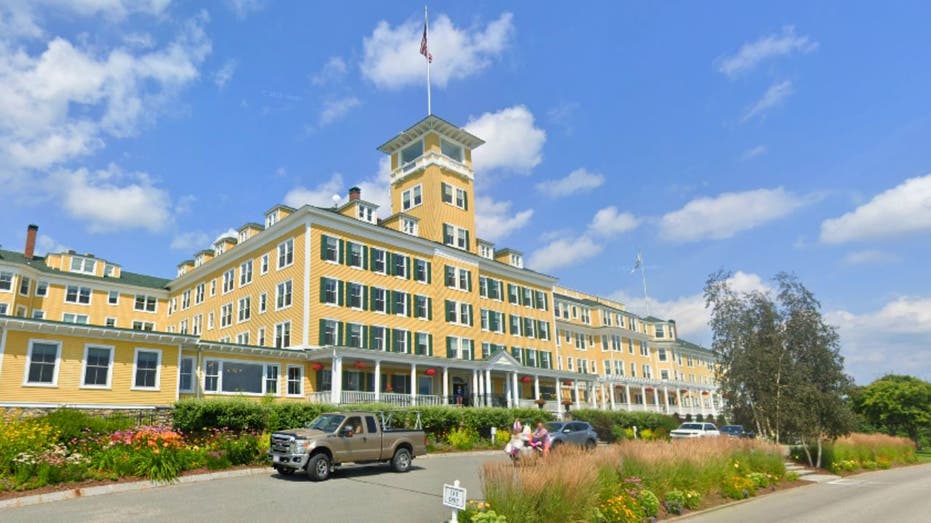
column 38, row 315
column 423, row 344
column 330, row 249
column 331, row 291
column 664, row 374
column 186, row 299
column 197, row 323
column 660, row 331
column 143, row 326
column 422, row 271
column 330, row 332
column 355, row 253
column 378, row 338
column 378, row 299
column 447, row 193
column 24, row 285
column 213, row 287
column 411, row 152
column 245, row 273
column 354, row 291
column 400, row 340
column 244, row 309
column 365, row 213
column 283, row 295
column 400, row 265
column 74, row 318
column 644, row 350
column 41, row 288
column 199, row 293
column 455, row 236
column 400, row 303
column 540, row 300
column 238, row 377
column 354, row 335
column 661, row 353
column 261, row 337
column 285, row 253
column 186, row 375
column 411, row 197
column 378, row 260
column 451, row 150
column 647, row 372
column 148, row 364
column 229, row 278
column 458, row 312
column 486, row 251
column 6, row 281
column 422, row 307
column 226, row 315
column 457, row 278
column 459, row 348
column 295, row 380
column 283, row 335
column 271, row 379
column 264, row 264
column 209, row 321
column 113, row 298
column 271, row 219
column 75, row 294
column 85, row 265
column 513, row 294
column 97, row 366
column 263, row 302
column 409, row 226
column 42, row 365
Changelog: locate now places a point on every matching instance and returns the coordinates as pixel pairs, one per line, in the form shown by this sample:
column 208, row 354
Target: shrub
column 737, row 487
column 17, row 436
column 678, row 500
column 74, row 424
column 462, row 439
column 611, row 425
column 243, row 449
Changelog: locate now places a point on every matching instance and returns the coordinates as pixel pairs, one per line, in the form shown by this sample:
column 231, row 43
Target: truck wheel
column 401, row 462
column 284, row 471
column 318, row 468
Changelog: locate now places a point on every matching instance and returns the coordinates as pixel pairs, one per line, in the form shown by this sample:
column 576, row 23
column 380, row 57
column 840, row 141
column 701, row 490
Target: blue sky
column 792, row 137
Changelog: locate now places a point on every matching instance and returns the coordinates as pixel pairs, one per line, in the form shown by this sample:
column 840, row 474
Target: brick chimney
column 30, row 241
column 354, row 193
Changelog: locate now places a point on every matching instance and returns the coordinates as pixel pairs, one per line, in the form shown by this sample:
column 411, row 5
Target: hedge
column 237, row 414
column 604, row 421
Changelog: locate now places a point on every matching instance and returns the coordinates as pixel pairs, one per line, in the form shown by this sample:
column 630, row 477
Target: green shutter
column 471, row 316
column 365, row 337
column 429, row 272
column 449, row 347
column 410, row 268
column 429, row 345
column 321, row 336
column 323, row 240
column 469, row 281
column 465, row 200
column 339, row 333
column 389, row 295
column 409, row 302
column 510, row 324
column 342, row 251
column 410, row 343
column 450, row 311
column 322, row 289
column 365, row 257
column 429, row 308
column 468, row 243
column 449, row 275
column 341, row 290
column 389, row 260
column 365, row 297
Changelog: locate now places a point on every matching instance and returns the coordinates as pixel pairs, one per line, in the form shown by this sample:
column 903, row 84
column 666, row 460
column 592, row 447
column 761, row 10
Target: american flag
column 423, row 46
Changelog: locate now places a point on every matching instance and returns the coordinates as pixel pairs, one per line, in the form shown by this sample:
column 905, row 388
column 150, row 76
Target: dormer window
column 109, row 270
column 271, row 219
column 660, row 331
column 85, row 265
column 409, row 226
column 412, row 152
column 451, row 150
column 486, row 251
column 243, row 236
column 219, row 248
column 517, row 261
column 366, row 213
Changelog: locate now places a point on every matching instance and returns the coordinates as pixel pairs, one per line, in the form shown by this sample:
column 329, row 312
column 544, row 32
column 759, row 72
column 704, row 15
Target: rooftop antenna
column 336, row 199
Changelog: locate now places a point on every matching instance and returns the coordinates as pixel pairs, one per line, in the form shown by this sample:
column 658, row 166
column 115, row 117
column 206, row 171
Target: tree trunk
column 819, row 451
column 807, row 452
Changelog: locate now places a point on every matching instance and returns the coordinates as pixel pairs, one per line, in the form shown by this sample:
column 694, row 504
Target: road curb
column 83, row 492
column 734, row 503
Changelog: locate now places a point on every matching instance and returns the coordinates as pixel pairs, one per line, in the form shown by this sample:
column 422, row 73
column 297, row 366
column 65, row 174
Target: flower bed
column 858, row 452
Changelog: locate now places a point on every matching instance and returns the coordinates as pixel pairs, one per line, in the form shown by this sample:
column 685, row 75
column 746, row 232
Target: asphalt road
column 902, row 495
column 353, row 494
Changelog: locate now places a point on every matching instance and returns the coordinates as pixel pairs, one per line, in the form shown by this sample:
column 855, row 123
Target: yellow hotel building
column 334, row 305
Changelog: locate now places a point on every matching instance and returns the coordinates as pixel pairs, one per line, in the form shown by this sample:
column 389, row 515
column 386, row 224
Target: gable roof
column 126, row 277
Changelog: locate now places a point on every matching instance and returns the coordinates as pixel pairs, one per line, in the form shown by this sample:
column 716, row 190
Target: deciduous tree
column 897, row 405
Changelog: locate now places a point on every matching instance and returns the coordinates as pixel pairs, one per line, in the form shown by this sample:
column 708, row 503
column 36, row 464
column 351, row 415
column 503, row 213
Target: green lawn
column 924, row 455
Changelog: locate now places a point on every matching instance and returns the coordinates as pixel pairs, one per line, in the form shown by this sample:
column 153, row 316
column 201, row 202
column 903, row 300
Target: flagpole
column 426, row 21
column 643, row 276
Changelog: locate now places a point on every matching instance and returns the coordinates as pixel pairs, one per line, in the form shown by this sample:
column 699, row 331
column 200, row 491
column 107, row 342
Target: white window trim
column 288, row 306
column 158, row 369
column 264, row 264
column 193, row 388
column 384, row 260
column 54, row 383
column 90, row 296
column 279, row 267
column 287, row 380
column 75, row 322
column 13, row 279
column 411, row 193
column 109, row 384
column 348, row 297
column 147, row 296
column 220, row 392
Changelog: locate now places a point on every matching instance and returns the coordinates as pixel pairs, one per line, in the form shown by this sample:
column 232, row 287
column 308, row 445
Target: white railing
column 353, row 396
column 429, row 400
column 431, row 158
column 393, row 398
column 320, row 397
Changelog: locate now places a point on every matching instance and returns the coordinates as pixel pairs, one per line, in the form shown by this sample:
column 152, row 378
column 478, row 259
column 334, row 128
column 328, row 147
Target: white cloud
column 46, row 244
column 375, row 189
column 321, row 195
column 334, row 70
column 769, row 46
column 892, row 339
column 112, row 200
column 753, row 152
column 334, row 109
column 579, row 180
column 231, row 232
column 564, row 252
column 727, row 214
column 243, row 8
column 494, row 220
column 511, row 140
column 904, row 209
column 689, row 311
column 190, row 241
column 391, row 57
column 608, row 222
column 224, row 74
column 870, row 257
column 771, row 98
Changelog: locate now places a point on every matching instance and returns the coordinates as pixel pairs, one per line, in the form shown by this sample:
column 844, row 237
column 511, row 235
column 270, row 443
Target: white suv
column 695, row 430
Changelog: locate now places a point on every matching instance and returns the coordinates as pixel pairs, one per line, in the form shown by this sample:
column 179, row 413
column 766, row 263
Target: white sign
column 454, row 496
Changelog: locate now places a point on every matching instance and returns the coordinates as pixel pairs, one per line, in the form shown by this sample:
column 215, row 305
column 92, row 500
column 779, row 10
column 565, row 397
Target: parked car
column 695, row 430
column 336, row 438
column 735, row 431
column 578, row 433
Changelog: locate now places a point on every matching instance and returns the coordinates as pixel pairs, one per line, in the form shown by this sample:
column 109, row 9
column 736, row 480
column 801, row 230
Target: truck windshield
column 326, row 422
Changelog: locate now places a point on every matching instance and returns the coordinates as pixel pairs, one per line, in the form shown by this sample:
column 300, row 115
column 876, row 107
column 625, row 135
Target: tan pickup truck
column 336, row 438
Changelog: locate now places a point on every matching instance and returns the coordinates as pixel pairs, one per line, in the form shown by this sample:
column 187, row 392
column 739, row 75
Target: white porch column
column 474, row 390
column 515, row 390
column 666, row 397
column 643, row 397
column 613, row 390
column 558, row 397
column 679, row 400
column 536, row 387
column 575, row 387
column 656, row 398
column 479, row 388
column 413, row 383
column 445, row 385
column 377, row 380
column 336, row 380
column 488, row 388
column 714, row 407
column 627, row 396
column 593, row 388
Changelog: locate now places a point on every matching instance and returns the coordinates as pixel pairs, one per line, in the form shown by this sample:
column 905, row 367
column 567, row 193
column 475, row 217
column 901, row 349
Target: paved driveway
column 353, row 494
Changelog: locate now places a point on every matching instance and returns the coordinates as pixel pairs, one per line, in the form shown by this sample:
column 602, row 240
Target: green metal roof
column 126, row 277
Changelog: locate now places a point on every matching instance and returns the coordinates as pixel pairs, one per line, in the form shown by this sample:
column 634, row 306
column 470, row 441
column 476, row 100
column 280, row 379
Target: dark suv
column 735, row 431
column 576, row 432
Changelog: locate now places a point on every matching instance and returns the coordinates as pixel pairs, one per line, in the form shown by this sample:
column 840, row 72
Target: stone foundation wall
column 153, row 416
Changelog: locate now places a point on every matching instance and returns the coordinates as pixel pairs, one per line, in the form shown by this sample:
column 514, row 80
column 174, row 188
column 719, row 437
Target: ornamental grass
column 868, row 451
